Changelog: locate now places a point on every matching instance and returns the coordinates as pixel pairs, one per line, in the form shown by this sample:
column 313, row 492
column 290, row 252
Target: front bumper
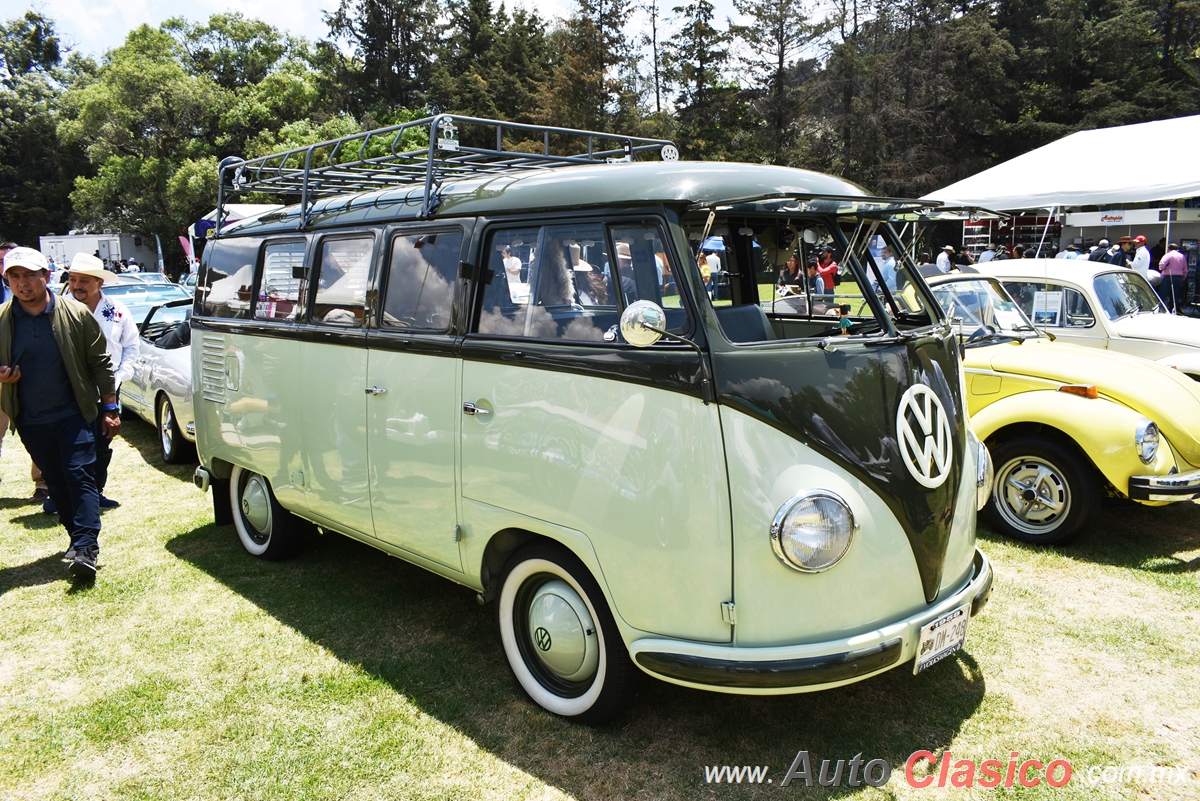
column 1172, row 487
column 803, row 668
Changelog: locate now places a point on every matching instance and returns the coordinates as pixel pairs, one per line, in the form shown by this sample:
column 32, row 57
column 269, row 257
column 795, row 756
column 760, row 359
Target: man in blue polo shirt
column 56, row 378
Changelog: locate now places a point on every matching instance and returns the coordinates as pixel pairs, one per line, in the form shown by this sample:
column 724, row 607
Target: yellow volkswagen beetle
column 1067, row 424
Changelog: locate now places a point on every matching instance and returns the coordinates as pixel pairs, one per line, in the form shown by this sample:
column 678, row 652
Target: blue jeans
column 1171, row 290
column 65, row 450
column 103, row 451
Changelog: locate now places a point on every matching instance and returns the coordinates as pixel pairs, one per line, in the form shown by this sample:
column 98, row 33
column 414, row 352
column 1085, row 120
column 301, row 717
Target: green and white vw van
column 505, row 365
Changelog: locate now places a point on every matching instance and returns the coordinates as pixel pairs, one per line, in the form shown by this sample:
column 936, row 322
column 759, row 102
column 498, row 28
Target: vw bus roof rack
column 427, row 151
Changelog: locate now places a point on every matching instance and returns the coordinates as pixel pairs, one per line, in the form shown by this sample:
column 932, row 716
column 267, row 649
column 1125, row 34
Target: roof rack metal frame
column 312, row 173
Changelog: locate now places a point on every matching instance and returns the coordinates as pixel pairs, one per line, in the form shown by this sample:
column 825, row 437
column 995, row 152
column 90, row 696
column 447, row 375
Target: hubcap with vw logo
column 923, row 432
column 562, row 632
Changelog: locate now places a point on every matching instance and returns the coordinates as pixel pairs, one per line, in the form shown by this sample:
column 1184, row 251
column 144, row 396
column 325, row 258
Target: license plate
column 942, row 637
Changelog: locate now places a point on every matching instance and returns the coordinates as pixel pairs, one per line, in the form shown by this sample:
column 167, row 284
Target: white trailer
column 111, row 246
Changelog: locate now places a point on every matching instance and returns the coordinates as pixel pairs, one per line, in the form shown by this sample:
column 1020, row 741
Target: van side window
column 641, row 262
column 342, row 282
column 279, row 291
column 570, row 282
column 420, row 284
column 227, row 280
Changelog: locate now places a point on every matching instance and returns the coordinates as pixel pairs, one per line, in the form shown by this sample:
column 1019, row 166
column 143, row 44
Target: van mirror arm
column 706, row 382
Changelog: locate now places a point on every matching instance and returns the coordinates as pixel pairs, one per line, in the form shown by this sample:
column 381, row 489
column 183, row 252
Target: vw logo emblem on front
column 927, row 448
column 542, row 638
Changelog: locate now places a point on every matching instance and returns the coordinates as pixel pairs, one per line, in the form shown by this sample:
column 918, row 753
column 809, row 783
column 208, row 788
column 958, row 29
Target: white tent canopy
column 240, row 211
column 1126, row 164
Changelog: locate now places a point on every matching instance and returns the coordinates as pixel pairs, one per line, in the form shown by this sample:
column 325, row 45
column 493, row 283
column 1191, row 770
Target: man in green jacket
column 57, row 385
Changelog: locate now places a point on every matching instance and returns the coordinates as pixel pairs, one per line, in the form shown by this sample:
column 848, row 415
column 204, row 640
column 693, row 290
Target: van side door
column 412, row 396
column 331, row 309
column 565, row 426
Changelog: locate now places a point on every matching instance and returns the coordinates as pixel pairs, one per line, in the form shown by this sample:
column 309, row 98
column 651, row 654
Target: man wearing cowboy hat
column 56, row 381
column 86, row 281
column 1122, row 254
column 943, row 260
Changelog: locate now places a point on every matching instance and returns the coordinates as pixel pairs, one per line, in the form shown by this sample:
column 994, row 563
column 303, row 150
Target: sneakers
column 40, row 495
column 69, row 556
column 105, row 503
column 83, row 566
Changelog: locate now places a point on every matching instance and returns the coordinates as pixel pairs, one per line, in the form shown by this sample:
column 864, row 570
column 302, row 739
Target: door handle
column 472, row 409
column 374, row 391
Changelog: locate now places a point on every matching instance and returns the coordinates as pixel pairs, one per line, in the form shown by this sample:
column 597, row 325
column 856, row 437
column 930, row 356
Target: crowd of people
column 1164, row 266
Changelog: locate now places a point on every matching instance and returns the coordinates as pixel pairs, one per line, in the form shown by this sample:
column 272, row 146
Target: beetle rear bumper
column 803, row 668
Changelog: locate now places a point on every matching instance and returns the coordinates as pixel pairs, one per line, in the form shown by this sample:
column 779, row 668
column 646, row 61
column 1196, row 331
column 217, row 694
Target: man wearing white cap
column 1100, row 252
column 56, row 380
column 87, row 277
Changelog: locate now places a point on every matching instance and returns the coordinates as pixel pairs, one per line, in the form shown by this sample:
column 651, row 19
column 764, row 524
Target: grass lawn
column 191, row 670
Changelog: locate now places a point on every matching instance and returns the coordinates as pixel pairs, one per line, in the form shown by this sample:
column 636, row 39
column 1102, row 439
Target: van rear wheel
column 560, row 638
column 266, row 529
column 1044, row 492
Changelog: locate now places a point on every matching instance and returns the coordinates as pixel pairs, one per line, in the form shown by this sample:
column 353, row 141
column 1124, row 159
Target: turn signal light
column 1082, row 390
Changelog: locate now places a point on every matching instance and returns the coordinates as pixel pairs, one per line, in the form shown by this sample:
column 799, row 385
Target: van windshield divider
column 425, row 154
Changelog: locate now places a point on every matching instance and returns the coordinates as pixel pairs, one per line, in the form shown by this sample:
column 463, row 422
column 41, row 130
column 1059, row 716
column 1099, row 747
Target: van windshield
column 813, row 276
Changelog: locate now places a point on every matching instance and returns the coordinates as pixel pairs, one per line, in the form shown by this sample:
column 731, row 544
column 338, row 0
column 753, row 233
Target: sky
column 95, row 26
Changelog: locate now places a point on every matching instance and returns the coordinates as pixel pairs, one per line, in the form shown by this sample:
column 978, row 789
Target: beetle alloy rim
column 255, row 505
column 1033, row 495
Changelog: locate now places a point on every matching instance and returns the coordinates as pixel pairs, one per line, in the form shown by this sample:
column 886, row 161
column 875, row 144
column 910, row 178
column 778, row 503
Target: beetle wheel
column 172, row 446
column 1044, row 493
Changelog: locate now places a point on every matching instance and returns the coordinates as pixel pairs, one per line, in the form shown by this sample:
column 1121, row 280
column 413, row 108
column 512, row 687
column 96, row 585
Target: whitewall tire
column 265, row 528
column 560, row 639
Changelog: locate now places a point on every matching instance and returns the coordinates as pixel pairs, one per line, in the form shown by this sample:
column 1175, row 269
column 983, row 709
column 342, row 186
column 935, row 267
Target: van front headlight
column 1146, row 440
column 812, row 531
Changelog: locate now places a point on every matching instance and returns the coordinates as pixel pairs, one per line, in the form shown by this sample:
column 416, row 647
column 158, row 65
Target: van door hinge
column 729, row 613
column 458, row 534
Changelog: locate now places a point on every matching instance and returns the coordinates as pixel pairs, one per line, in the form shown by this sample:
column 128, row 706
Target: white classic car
column 160, row 389
column 1102, row 306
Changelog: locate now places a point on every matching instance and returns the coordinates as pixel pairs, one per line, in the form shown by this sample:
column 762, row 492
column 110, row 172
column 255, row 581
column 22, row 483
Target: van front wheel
column 266, row 529
column 559, row 637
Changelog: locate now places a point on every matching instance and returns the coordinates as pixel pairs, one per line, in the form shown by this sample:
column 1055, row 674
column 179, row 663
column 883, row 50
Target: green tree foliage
column 776, row 35
column 140, row 118
column 903, row 96
column 912, row 95
column 36, row 174
column 394, row 42
column 28, row 44
column 714, row 119
column 230, row 50
column 585, row 90
column 490, row 65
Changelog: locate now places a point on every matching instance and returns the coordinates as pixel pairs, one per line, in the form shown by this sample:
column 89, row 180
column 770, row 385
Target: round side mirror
column 636, row 317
